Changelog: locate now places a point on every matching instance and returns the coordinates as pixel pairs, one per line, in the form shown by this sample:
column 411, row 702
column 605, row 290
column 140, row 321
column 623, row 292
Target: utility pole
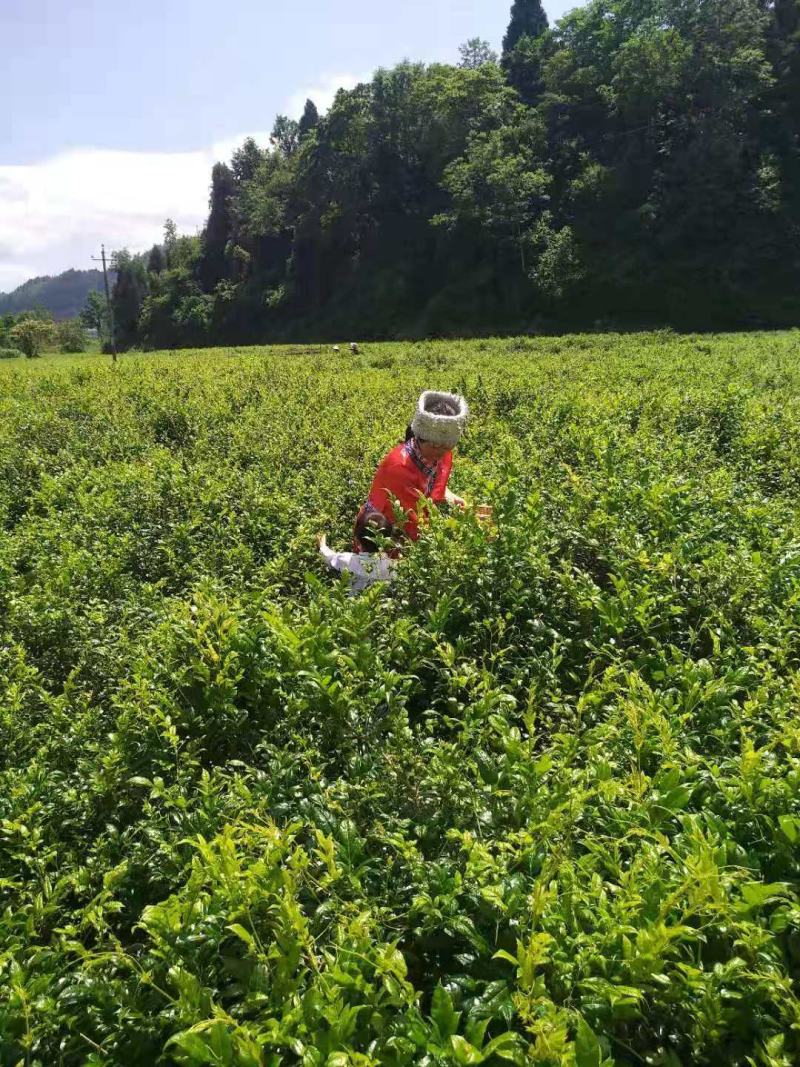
column 109, row 309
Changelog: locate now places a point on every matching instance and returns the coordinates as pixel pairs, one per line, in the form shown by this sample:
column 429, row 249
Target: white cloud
column 323, row 93
column 56, row 213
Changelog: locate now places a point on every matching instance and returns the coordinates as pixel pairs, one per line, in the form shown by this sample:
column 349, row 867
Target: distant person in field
column 417, row 469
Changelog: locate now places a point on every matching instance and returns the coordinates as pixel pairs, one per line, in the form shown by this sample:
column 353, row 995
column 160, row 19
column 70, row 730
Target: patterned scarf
column 411, row 449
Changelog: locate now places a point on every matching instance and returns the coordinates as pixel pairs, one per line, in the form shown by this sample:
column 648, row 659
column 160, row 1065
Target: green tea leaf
column 588, row 1052
column 443, row 1014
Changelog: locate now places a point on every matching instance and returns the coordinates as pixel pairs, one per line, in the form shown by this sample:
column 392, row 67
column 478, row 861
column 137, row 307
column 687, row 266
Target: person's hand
column 455, row 501
column 321, row 543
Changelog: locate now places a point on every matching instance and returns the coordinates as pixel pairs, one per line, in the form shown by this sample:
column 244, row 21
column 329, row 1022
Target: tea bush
column 535, row 803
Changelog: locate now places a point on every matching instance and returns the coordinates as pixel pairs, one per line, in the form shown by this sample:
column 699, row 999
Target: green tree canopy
column 309, row 120
column 71, row 336
column 31, row 335
column 474, row 53
column 212, row 266
column 246, row 161
column 527, row 20
column 94, row 313
column 285, row 135
column 156, row 260
column 127, row 296
column 640, row 161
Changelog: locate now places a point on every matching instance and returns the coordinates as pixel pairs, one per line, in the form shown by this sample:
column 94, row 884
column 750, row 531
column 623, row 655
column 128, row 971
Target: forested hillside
column 637, row 163
column 63, row 295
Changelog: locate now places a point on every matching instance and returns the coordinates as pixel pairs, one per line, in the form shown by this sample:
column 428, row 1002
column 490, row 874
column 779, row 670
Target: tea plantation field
column 538, row 803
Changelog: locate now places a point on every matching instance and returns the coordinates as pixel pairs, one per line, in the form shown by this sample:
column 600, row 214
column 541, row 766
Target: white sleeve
column 343, row 561
column 366, row 567
column 331, row 558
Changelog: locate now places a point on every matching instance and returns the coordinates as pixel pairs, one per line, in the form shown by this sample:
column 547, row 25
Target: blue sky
column 114, row 112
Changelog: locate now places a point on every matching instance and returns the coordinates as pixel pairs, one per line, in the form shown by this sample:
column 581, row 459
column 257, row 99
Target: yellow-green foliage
column 536, row 803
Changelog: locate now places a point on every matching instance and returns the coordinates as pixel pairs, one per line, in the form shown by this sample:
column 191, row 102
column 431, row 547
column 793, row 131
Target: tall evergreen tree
column 170, row 242
column 308, row 120
column 127, row 297
column 522, row 49
column 523, row 69
column 783, row 121
column 156, row 260
column 527, row 20
column 212, row 266
column 94, row 313
column 784, row 40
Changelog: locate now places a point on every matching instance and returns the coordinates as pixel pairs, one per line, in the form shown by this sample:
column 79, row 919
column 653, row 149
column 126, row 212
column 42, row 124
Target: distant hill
column 64, row 295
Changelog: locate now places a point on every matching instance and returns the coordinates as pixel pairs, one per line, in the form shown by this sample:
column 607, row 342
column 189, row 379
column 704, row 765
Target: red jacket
column 399, row 475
